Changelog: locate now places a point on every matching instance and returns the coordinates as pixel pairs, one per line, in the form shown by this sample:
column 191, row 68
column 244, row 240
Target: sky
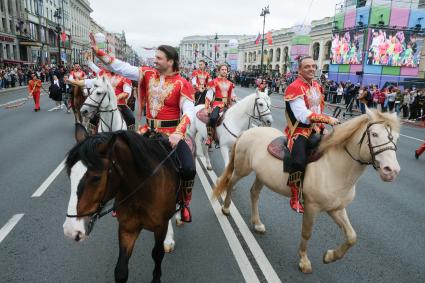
column 151, row 23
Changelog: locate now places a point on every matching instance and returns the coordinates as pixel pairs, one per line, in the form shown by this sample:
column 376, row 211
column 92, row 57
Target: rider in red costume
column 169, row 107
column 304, row 116
column 220, row 95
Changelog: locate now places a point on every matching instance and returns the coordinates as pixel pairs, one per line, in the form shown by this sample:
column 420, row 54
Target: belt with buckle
column 154, row 123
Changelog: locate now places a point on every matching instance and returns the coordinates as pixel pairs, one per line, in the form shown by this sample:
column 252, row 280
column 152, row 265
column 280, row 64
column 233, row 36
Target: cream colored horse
column 329, row 184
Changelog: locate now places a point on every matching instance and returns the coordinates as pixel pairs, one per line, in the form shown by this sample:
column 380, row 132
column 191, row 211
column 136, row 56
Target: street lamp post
column 58, row 17
column 215, row 48
column 263, row 14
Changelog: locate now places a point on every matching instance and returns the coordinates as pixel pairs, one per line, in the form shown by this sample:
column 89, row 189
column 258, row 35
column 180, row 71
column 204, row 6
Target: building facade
column 80, row 28
column 287, row 45
column 211, row 48
column 10, row 14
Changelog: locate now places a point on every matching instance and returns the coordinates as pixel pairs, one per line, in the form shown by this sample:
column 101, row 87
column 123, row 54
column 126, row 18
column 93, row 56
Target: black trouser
column 127, row 114
column 214, row 117
column 200, row 97
column 299, row 155
column 187, row 164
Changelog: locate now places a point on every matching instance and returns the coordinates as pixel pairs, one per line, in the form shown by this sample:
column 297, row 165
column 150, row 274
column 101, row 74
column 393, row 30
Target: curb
column 7, row 90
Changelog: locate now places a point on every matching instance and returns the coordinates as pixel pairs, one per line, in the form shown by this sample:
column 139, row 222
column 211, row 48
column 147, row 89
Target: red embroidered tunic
column 202, row 78
column 122, row 87
column 223, row 93
column 312, row 95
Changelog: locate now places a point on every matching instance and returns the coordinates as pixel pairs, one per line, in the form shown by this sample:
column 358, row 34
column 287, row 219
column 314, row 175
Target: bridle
column 391, row 146
column 98, row 107
column 101, row 211
column 254, row 116
column 261, row 114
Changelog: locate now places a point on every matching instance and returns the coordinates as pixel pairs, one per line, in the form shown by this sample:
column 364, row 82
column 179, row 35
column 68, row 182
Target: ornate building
column 80, row 28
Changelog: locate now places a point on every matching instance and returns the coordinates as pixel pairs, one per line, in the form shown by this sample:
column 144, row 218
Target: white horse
column 102, row 101
column 329, row 183
column 237, row 119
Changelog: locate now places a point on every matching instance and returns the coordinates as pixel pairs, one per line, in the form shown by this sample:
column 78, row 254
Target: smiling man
column 169, row 107
column 304, row 116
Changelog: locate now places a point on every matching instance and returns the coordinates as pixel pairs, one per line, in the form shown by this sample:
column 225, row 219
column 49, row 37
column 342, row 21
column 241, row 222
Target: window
column 15, row 53
column 7, row 51
column 11, row 27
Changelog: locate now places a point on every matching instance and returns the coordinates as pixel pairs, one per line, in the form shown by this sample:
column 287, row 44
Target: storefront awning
column 30, row 43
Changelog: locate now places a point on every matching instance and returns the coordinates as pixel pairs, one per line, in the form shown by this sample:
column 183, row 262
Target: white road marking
column 264, row 264
column 412, row 138
column 55, row 108
column 13, row 101
column 9, row 225
column 236, row 247
column 43, row 187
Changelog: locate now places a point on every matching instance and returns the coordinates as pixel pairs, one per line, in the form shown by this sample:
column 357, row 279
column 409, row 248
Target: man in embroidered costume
column 304, row 107
column 200, row 79
column 169, row 107
column 220, row 96
column 34, row 88
column 76, row 73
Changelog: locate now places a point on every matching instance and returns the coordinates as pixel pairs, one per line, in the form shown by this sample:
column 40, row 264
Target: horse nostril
column 387, row 169
column 77, row 237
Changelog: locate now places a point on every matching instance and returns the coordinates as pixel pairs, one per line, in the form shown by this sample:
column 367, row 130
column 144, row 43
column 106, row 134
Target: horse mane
column 342, row 134
column 86, row 152
column 145, row 152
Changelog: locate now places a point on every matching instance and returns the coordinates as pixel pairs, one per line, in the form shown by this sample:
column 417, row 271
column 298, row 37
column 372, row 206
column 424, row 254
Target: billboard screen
column 347, row 47
column 394, row 48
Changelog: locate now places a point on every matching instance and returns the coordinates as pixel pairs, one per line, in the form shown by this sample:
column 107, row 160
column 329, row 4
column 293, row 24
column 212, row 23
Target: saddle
column 278, row 148
column 205, row 117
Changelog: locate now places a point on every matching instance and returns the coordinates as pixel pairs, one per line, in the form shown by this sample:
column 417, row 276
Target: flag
column 257, row 40
column 269, row 37
column 63, row 36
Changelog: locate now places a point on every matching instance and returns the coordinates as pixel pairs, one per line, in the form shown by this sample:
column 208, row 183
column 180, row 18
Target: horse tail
column 224, row 180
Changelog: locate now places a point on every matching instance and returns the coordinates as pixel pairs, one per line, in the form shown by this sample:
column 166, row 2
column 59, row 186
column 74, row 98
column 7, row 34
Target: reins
column 100, row 212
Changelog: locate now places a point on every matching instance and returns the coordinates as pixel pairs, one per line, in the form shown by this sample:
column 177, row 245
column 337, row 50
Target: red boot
column 185, row 213
column 294, row 202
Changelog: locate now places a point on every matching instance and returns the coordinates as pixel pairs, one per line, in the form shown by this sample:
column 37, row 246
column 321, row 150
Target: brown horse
column 135, row 171
column 78, row 99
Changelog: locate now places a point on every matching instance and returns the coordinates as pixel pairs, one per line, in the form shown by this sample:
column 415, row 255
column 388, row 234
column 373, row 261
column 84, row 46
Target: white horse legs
column 307, row 227
column 169, row 239
column 255, row 214
column 341, row 219
column 207, row 156
column 225, row 153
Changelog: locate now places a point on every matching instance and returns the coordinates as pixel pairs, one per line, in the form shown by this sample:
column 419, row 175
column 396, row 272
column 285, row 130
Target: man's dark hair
column 221, row 65
column 171, row 54
column 301, row 59
column 203, row 61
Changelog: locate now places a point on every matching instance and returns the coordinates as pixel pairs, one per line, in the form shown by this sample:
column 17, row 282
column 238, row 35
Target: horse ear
column 80, row 133
column 369, row 112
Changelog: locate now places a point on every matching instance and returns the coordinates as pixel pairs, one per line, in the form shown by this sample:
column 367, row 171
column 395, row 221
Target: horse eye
column 95, row 179
column 375, row 135
column 261, row 104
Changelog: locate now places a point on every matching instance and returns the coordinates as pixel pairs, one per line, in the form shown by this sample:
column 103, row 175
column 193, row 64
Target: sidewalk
column 11, row 89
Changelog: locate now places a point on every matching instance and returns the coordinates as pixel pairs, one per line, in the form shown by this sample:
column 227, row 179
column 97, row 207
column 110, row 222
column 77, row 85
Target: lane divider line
column 256, row 250
column 412, row 138
column 241, row 258
column 5, row 230
column 43, row 187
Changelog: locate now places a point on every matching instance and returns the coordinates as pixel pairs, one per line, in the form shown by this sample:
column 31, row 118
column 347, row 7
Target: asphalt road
column 388, row 218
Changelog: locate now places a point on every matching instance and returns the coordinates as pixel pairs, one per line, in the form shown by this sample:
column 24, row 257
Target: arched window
column 327, row 54
column 278, row 55
column 316, row 50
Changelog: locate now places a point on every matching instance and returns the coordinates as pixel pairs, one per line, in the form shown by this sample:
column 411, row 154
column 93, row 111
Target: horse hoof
column 305, row 268
column 179, row 222
column 209, row 168
column 169, row 248
column 328, row 257
column 260, row 229
column 226, row 211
